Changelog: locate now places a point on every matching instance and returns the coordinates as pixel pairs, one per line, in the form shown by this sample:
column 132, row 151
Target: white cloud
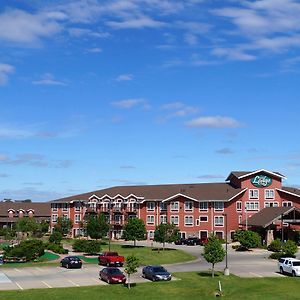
column 13, row 132
column 233, row 54
column 5, row 71
column 94, row 50
column 48, row 79
column 136, row 23
column 214, row 122
column 22, row 27
column 179, row 109
column 225, row 151
column 130, row 103
column 124, row 77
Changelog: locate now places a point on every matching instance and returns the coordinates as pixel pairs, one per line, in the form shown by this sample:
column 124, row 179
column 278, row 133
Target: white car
column 289, row 265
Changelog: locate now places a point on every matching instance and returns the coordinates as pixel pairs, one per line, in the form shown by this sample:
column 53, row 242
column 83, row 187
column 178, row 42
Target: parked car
column 71, row 262
column 111, row 258
column 180, row 241
column 156, row 273
column 112, row 275
column 192, row 241
column 289, row 265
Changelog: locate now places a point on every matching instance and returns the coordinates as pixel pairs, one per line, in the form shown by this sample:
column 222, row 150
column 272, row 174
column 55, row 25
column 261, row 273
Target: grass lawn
column 48, row 256
column 146, row 255
column 190, row 286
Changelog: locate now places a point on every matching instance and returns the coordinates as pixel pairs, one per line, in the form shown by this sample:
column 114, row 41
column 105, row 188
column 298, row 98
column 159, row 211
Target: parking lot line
column 39, row 269
column 95, row 280
column 255, row 274
column 46, row 284
column 73, row 282
column 19, row 286
column 17, row 270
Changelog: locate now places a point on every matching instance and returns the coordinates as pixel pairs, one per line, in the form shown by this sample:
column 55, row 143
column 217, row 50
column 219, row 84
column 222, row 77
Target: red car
column 112, row 275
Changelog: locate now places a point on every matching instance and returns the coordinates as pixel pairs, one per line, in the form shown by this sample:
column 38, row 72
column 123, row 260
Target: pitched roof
column 291, row 190
column 199, row 191
column 241, row 174
column 267, row 216
column 41, row 209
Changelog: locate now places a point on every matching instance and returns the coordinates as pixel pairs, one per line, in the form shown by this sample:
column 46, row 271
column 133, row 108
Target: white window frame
column 203, row 216
column 174, row 217
column 267, row 204
column 240, row 219
column 190, row 217
column 54, row 218
column 203, row 231
column 174, row 203
column 217, row 223
column 65, row 207
column 151, row 234
column 267, row 194
column 239, row 205
column 163, row 219
column 287, row 204
column 202, row 203
column 163, row 204
column 219, row 209
column 189, row 209
column 149, row 206
column 248, row 205
column 253, row 194
column 150, row 217
column 77, row 218
column 55, row 207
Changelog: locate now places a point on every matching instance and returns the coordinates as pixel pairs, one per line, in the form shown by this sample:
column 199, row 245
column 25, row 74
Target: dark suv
column 192, row 241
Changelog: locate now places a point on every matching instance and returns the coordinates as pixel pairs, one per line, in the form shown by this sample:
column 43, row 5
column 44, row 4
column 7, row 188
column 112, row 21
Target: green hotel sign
column 261, row 181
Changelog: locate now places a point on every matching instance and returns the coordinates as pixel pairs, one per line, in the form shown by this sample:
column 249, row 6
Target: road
column 243, row 264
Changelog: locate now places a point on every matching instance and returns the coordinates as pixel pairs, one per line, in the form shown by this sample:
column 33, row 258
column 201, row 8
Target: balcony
column 91, row 210
column 117, row 222
column 117, row 209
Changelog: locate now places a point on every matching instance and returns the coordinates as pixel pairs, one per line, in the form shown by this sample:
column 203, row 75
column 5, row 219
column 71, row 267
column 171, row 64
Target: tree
column 55, row 237
column 214, row 252
column 44, row 226
column 93, row 247
column 248, row 239
column 27, row 225
column 166, row 233
column 132, row 263
column 63, row 225
column 290, row 248
column 97, row 227
column 134, row 230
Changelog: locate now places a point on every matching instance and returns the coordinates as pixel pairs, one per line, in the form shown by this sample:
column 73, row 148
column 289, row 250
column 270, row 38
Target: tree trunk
column 134, row 243
column 164, row 246
column 213, row 271
column 128, row 284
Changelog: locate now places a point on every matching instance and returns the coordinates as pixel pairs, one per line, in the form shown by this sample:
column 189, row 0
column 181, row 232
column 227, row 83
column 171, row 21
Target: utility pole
column 226, row 270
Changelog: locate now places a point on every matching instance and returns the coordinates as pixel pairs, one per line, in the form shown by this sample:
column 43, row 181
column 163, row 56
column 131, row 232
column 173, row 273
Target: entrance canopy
column 269, row 215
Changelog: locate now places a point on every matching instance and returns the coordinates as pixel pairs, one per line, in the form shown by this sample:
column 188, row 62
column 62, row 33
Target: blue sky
column 103, row 93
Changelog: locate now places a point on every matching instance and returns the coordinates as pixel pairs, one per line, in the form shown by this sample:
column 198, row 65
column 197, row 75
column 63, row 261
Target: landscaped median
column 190, row 285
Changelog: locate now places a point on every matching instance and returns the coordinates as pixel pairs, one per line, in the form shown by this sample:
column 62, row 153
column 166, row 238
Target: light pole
column 226, row 270
column 109, row 225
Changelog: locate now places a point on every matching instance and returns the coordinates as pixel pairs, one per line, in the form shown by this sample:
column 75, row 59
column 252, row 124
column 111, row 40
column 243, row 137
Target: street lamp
column 109, row 224
column 226, row 270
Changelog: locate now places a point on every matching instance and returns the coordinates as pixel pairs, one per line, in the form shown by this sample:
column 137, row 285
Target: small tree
column 55, row 237
column 97, row 227
column 290, row 248
column 132, row 263
column 214, row 252
column 134, row 230
column 63, row 225
column 27, row 225
column 92, row 247
column 249, row 239
column 166, row 233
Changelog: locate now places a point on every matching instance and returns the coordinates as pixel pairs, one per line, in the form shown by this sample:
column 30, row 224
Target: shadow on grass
column 163, row 250
column 131, row 246
column 132, row 285
column 208, row 274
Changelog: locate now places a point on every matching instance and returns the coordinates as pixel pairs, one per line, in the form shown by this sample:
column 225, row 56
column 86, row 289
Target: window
column 174, row 220
column 65, row 217
column 269, row 194
column 150, row 220
column 150, row 206
column 188, row 206
column 163, row 206
column 287, row 203
column 151, row 234
column 271, row 204
column 219, row 221
column 240, row 219
column 203, row 218
column 77, row 219
column 238, row 205
column 54, row 218
column 203, row 206
column 188, row 220
column 163, row 219
column 54, row 206
column 252, row 205
column 219, row 206
column 253, row 194
column 65, row 206
column 174, row 206
column 77, row 206
column 219, row 234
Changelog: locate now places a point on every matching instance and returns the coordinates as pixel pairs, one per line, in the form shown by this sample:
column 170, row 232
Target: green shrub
column 87, row 246
column 55, row 237
column 30, row 249
column 248, row 239
column 275, row 246
column 290, row 248
column 56, row 248
column 276, row 255
column 79, row 245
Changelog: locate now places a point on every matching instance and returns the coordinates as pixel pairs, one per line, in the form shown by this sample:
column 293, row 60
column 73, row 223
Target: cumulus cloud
column 130, row 103
column 49, row 79
column 179, row 109
column 5, row 71
column 214, row 122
